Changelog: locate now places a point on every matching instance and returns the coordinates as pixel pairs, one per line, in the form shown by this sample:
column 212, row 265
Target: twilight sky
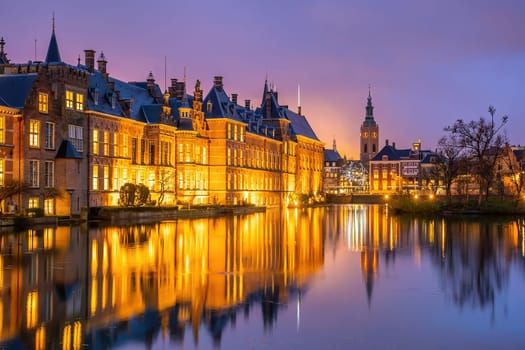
column 429, row 62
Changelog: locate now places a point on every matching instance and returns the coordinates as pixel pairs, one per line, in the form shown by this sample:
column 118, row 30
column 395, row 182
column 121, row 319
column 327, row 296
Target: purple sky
column 429, row 62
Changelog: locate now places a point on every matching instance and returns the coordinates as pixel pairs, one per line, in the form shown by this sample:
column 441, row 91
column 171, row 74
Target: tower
column 369, row 133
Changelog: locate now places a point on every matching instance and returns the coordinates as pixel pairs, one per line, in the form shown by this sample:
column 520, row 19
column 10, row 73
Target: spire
column 185, row 96
column 334, row 145
column 53, row 54
column 265, row 90
column 369, row 107
column 298, row 99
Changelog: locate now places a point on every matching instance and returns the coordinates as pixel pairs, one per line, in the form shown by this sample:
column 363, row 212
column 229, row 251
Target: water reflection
column 73, row 287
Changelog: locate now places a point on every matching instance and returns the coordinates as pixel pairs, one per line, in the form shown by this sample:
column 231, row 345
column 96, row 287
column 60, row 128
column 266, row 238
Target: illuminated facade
column 73, row 136
column 394, row 170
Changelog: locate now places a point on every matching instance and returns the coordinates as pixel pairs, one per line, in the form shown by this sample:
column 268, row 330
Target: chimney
column 102, row 65
column 234, row 98
column 299, row 110
column 151, row 83
column 217, row 81
column 179, row 90
column 89, row 59
column 247, row 104
column 111, row 85
column 394, row 145
column 386, row 142
column 173, row 87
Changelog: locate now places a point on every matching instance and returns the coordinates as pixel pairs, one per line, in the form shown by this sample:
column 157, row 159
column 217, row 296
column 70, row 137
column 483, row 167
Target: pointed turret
column 53, row 54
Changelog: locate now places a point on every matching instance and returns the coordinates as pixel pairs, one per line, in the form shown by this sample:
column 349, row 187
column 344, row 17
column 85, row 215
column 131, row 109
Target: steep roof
column 298, row 123
column 331, row 155
column 222, row 106
column 15, row 89
column 389, row 151
column 101, row 96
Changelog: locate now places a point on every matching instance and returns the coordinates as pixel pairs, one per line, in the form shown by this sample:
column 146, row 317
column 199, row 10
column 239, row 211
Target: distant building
column 394, row 170
column 333, row 171
column 72, row 135
column 369, row 134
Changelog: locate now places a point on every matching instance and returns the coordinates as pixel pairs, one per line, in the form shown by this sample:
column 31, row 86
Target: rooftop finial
column 53, row 21
column 369, row 94
column 2, row 44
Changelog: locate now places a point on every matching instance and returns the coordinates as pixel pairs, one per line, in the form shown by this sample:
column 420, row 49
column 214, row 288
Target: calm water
column 334, row 278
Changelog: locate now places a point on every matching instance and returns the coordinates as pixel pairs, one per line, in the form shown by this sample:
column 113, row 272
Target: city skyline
column 430, row 63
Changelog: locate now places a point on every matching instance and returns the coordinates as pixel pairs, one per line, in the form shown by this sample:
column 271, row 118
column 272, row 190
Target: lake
column 339, row 277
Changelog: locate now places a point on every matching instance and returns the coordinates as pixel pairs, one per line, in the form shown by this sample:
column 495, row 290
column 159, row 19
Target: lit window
column 203, row 155
column 34, row 173
column 181, row 152
column 49, row 174
column 33, row 202
column 80, row 102
column 95, row 141
column 151, row 180
column 124, row 145
column 76, row 137
column 34, row 133
column 115, row 145
column 106, row 178
column 2, row 129
column 43, row 102
column 69, row 99
column 115, row 179
column 49, row 135
column 229, row 131
column 95, row 177
column 106, row 143
column 124, row 175
column 49, row 206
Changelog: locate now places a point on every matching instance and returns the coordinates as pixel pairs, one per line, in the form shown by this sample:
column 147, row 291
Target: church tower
column 369, row 133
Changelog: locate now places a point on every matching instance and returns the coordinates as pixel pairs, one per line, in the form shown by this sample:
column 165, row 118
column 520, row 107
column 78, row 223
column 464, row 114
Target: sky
column 427, row 62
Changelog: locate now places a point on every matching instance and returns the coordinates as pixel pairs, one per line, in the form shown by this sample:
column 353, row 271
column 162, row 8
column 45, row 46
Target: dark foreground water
column 345, row 277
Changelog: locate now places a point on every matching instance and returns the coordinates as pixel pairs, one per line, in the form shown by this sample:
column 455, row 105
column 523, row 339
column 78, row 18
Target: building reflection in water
column 71, row 288
column 68, row 288
column 473, row 257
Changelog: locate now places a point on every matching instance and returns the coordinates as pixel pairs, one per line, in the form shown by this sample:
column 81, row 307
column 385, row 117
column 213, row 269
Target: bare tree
column 483, row 142
column 12, row 188
column 449, row 162
column 166, row 180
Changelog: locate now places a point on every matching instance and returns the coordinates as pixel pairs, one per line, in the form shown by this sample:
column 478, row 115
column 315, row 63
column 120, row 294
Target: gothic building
column 72, row 135
column 369, row 135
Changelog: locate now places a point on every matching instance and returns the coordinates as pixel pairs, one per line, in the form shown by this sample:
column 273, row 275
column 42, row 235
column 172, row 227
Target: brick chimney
column 234, row 98
column 247, row 104
column 217, row 81
column 386, row 142
column 151, row 84
column 180, row 87
column 89, row 59
column 173, row 88
column 102, row 63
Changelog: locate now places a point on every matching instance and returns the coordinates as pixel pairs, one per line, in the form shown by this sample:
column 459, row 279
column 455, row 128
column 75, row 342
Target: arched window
column 366, row 148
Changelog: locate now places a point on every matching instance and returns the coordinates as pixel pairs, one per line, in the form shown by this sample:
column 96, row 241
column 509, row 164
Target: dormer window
column 385, row 157
column 95, row 96
column 209, row 106
column 113, row 101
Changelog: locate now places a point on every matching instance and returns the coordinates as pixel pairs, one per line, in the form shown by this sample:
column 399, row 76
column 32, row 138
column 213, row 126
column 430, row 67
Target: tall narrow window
column 142, row 150
column 76, row 137
column 106, row 177
column 34, row 173
column 2, row 129
column 33, row 202
column 69, row 99
column 95, row 145
column 151, row 154
column 125, row 146
column 80, row 102
column 34, row 133
column 106, row 143
column 115, row 145
column 49, row 135
column 2, row 180
column 49, row 174
column 49, row 206
column 115, row 179
column 95, row 177
column 133, row 150
column 43, row 99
